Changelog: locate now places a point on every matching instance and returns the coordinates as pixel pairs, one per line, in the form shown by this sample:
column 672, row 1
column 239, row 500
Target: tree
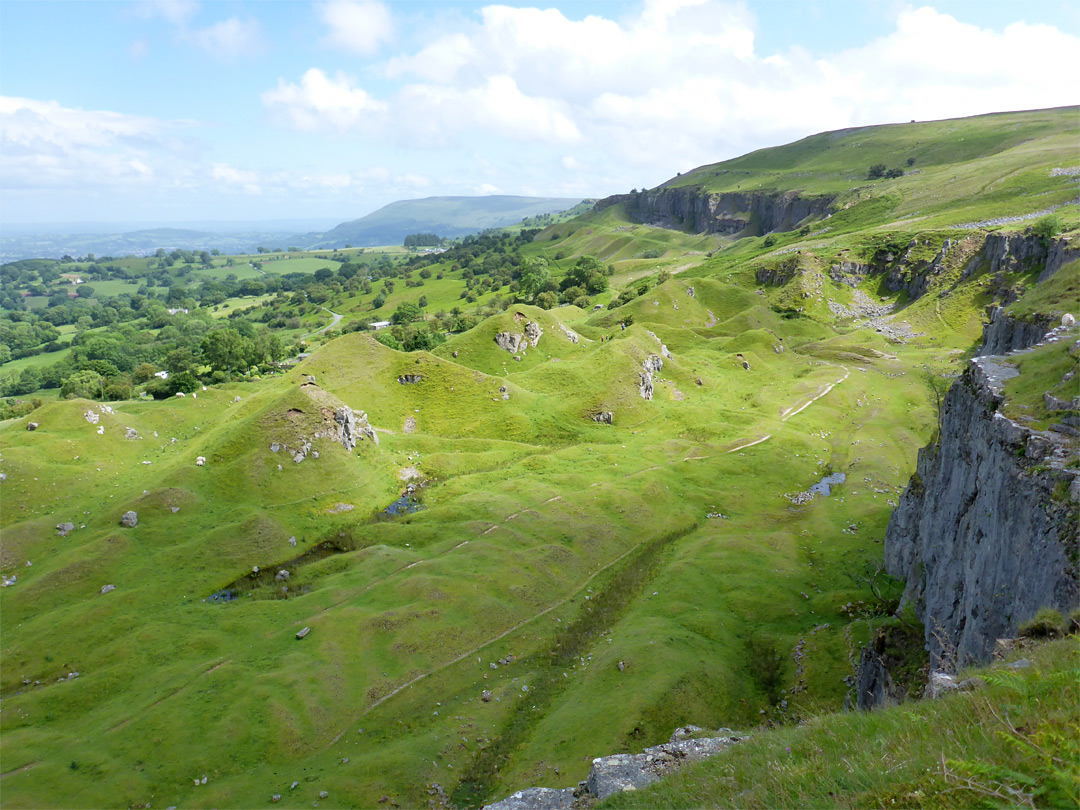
column 535, row 275
column 225, row 350
column 422, row 303
column 406, row 313
column 86, row 384
column 876, row 170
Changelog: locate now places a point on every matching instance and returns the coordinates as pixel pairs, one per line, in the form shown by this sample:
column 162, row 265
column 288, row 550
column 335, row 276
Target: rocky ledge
column 621, row 772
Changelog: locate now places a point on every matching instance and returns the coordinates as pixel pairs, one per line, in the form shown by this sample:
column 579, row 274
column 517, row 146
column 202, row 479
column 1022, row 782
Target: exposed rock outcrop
column 622, row 772
column 533, row 333
column 1005, row 334
column 348, row 427
column 509, row 341
column 983, row 534
column 690, row 208
column 652, row 364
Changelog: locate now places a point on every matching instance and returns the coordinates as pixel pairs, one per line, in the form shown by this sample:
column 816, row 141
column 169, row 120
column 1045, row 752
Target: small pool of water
column 405, row 505
column 825, row 485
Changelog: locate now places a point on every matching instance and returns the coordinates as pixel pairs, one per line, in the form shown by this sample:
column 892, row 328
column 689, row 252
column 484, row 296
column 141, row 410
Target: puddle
column 825, row 485
column 405, row 505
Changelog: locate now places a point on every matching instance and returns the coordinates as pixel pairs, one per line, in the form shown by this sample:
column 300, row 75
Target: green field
column 606, row 583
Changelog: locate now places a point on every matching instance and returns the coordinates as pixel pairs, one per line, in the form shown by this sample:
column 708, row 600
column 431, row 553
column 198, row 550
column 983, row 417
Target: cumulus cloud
column 680, row 82
column 323, row 102
column 47, row 144
column 358, row 26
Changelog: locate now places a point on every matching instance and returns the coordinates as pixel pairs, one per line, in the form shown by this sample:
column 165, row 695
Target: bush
column 1047, row 623
column 1047, row 228
column 877, row 170
column 770, row 240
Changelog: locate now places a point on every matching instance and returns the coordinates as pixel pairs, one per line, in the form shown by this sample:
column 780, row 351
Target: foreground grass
column 1015, row 742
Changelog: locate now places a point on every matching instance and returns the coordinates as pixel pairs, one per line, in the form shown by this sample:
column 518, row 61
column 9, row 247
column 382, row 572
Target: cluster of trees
column 879, row 170
column 422, row 240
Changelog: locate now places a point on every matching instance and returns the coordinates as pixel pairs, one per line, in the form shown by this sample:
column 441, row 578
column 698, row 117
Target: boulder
column 303, row 633
column 620, row 772
column 485, row 696
column 645, row 386
column 129, row 520
column 131, row 433
column 200, row 461
column 90, row 417
column 63, row 528
column 603, row 417
column 408, row 379
column 31, row 425
column 509, row 341
column 105, row 589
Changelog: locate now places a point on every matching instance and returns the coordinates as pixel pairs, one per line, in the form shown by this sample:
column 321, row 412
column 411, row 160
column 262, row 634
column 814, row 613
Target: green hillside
column 449, row 217
column 582, row 525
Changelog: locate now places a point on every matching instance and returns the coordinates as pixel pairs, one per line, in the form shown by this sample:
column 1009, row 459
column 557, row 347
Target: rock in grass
column 63, row 528
column 536, row 799
column 303, row 633
column 129, row 520
column 486, row 696
column 107, row 588
column 200, row 461
column 31, row 425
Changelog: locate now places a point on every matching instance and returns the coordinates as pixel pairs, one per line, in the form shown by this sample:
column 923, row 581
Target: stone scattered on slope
column 90, row 417
column 603, row 417
column 131, row 433
column 303, row 633
column 200, row 461
column 409, row 379
column 129, row 520
column 32, row 425
column 63, row 528
column 105, row 589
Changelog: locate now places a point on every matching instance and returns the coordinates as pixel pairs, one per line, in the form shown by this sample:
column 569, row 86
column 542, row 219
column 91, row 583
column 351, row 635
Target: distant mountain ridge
column 449, row 217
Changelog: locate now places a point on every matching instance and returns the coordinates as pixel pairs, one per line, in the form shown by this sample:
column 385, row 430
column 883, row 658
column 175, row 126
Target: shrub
column 877, row 170
column 770, row 240
column 1047, row 228
column 1047, row 623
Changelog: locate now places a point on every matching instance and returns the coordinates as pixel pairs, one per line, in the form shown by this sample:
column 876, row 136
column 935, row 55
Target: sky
column 187, row 110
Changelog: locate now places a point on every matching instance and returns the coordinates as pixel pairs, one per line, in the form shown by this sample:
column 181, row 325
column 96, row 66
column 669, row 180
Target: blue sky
column 179, row 110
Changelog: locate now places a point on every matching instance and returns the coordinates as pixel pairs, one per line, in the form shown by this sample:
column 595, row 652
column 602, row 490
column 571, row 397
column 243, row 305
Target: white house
column 162, row 375
column 380, row 324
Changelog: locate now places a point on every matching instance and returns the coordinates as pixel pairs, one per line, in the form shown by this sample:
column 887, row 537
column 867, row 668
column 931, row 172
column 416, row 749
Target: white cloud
column 322, row 102
column 46, row 144
column 229, row 38
column 677, row 84
column 242, row 179
column 357, row 26
column 177, row 12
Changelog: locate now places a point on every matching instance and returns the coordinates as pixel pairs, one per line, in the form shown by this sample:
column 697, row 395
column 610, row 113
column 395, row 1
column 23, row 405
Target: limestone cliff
column 986, row 532
column 692, row 209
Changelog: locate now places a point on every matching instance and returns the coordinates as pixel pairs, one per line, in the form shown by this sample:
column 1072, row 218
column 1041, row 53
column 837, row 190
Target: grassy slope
column 1008, row 744
column 544, row 534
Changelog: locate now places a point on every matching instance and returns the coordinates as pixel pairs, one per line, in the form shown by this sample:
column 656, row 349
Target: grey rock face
column 1004, row 334
column 129, row 520
column 690, row 209
column 536, row 799
column 409, row 379
column 509, row 341
column 604, row 417
column 645, row 386
column 533, row 333
column 979, row 535
column 874, row 685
